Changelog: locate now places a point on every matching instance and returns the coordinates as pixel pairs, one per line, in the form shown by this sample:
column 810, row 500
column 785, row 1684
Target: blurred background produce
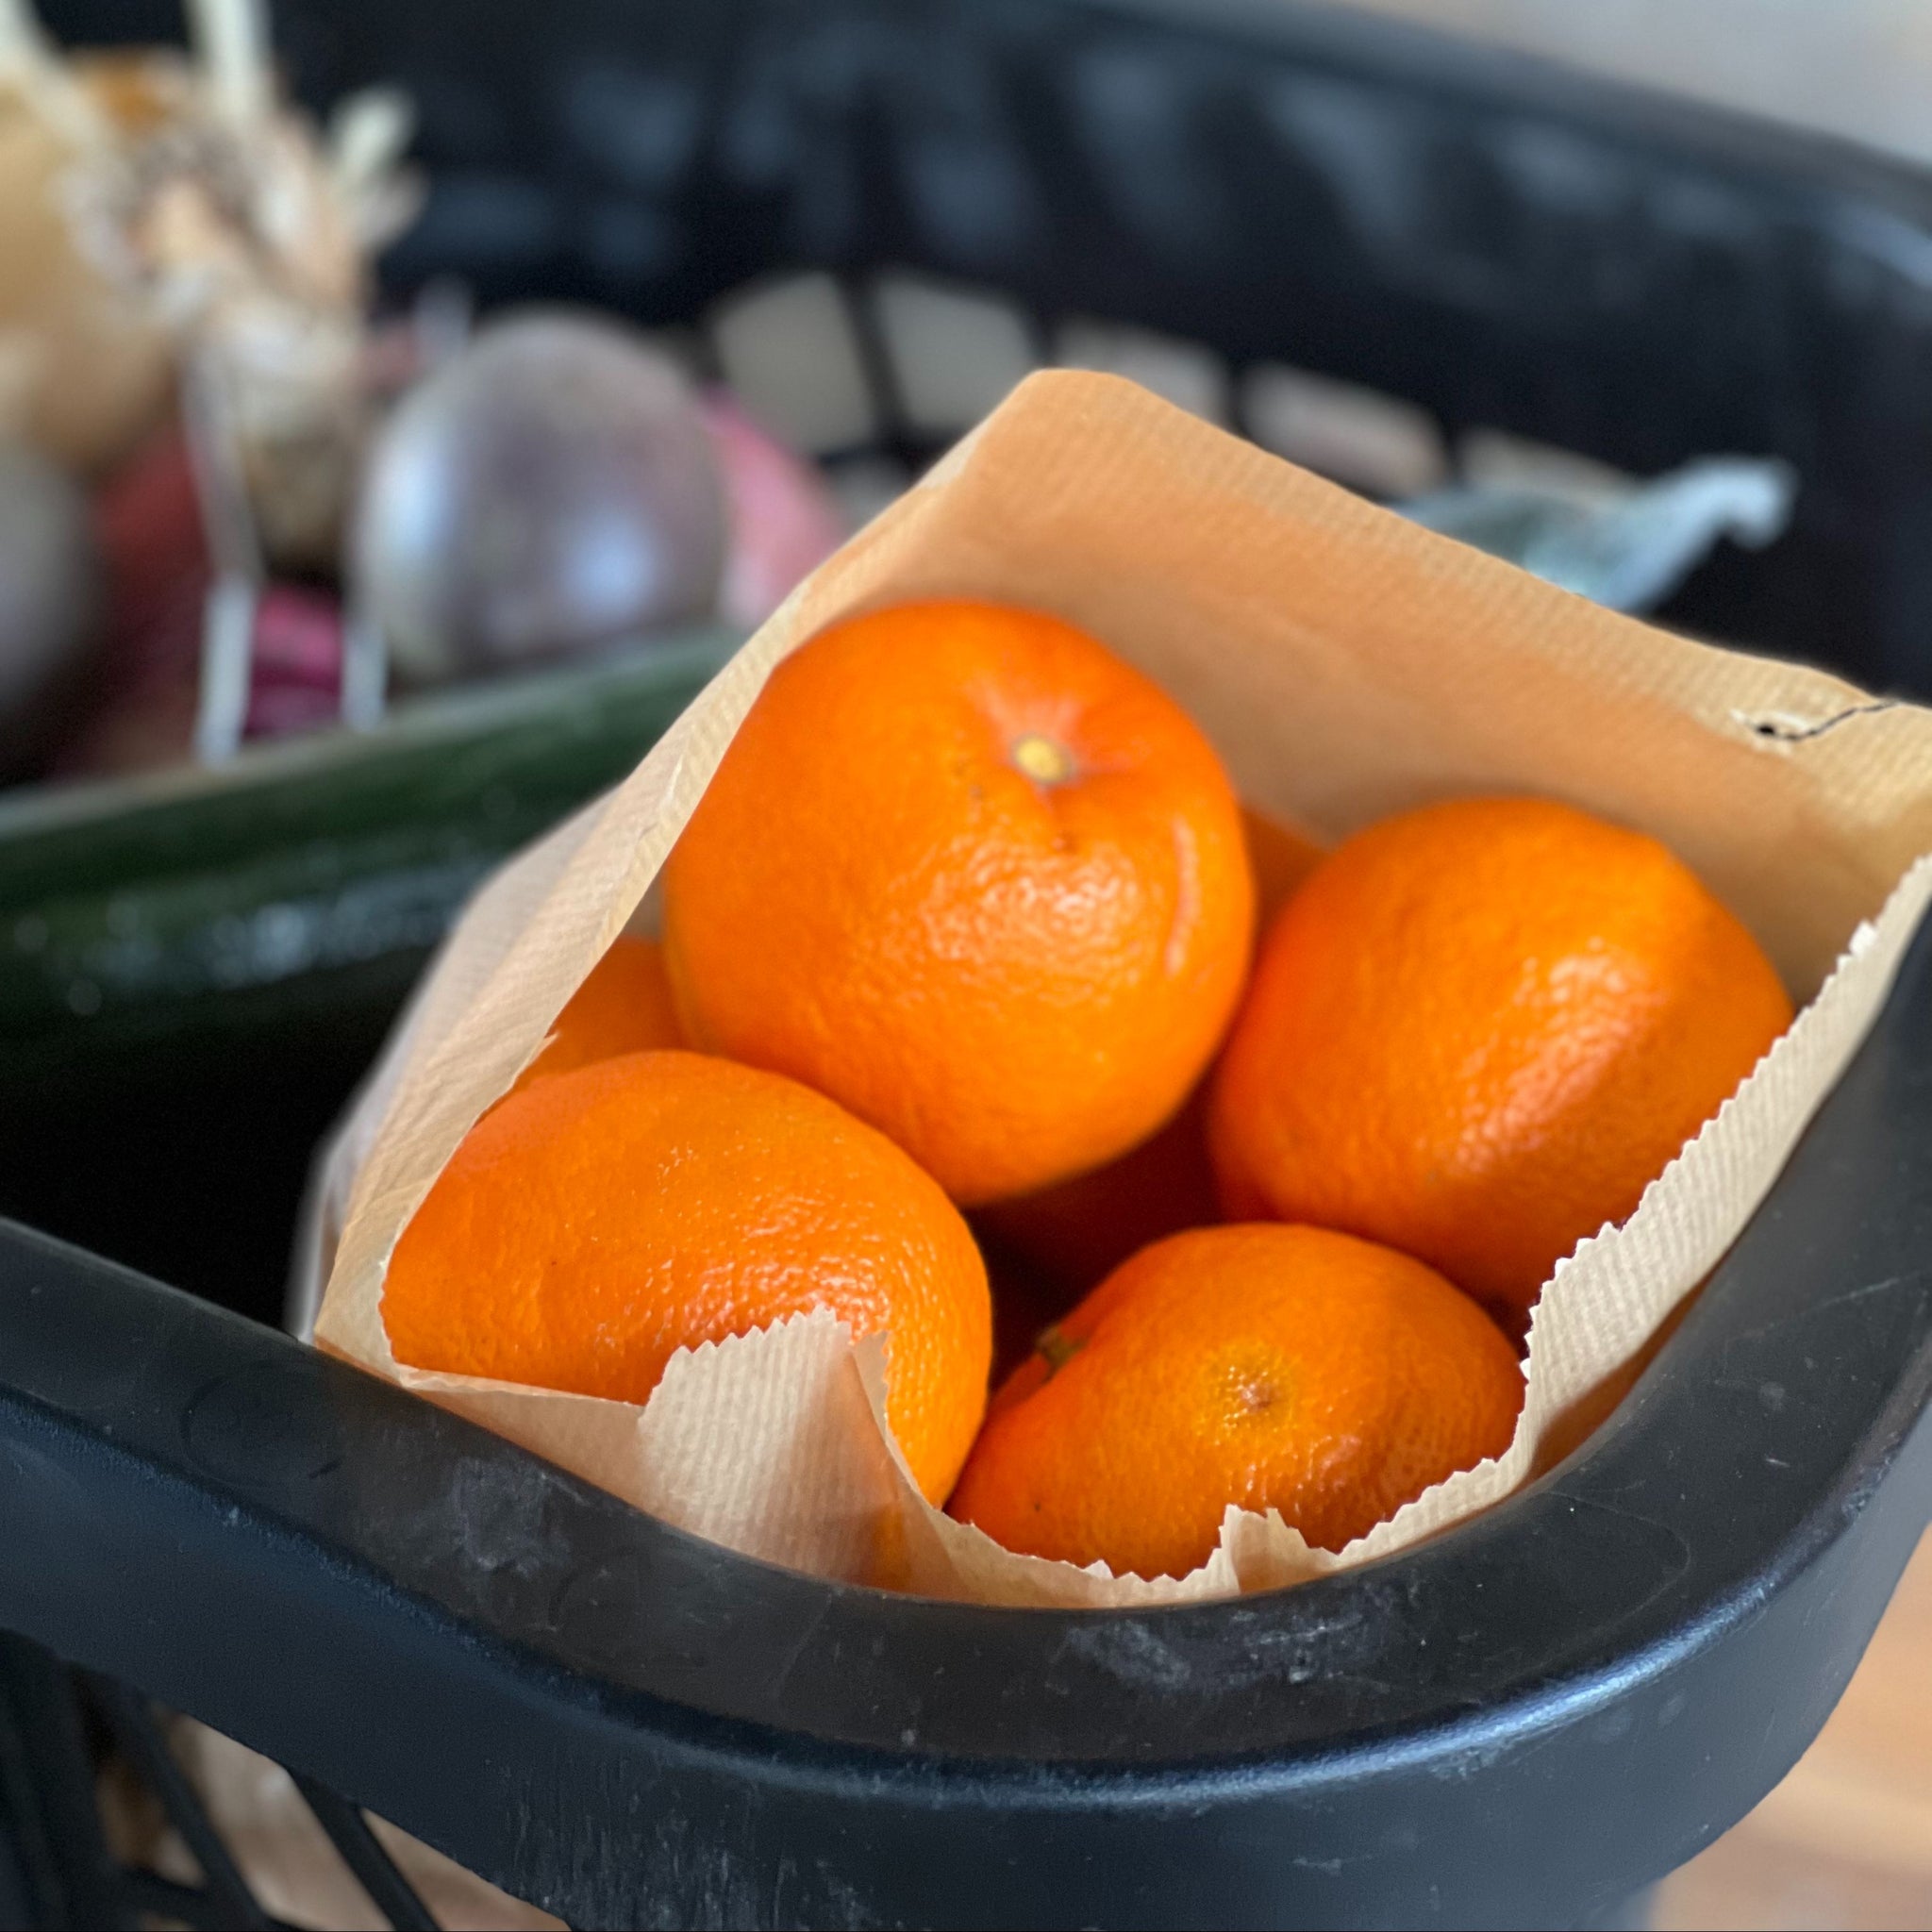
column 51, row 593
column 550, row 489
column 191, row 331
column 86, row 367
column 313, row 496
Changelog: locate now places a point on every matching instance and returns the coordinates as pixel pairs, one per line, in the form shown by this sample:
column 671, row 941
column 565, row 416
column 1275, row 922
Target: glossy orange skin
column 1265, row 1365
column 1015, row 976
column 624, row 1005
column 1076, row 1233
column 1480, row 1030
column 601, row 1219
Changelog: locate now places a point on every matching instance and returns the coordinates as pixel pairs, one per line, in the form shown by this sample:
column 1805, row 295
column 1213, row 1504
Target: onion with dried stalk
column 251, row 233
column 236, row 227
column 86, row 367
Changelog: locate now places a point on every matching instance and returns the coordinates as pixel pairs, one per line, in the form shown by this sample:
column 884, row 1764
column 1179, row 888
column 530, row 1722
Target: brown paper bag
column 1347, row 664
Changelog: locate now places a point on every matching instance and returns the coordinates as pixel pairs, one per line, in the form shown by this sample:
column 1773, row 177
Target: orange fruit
column 623, row 1007
column 1077, row 1232
column 597, row 1223
column 1269, row 1366
column 972, row 876
column 1073, row 1234
column 1480, row 1030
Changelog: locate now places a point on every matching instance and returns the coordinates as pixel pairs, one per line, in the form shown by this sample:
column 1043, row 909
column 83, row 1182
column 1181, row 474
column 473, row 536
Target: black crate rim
column 1577, row 1622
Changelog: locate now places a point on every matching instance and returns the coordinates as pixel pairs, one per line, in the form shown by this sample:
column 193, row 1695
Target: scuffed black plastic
column 1519, row 1723
column 1516, row 1724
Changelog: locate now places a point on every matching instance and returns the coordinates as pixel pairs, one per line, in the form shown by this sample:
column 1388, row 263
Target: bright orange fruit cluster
column 966, row 920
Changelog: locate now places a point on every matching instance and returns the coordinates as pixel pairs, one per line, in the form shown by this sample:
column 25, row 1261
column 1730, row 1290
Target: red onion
column 550, row 489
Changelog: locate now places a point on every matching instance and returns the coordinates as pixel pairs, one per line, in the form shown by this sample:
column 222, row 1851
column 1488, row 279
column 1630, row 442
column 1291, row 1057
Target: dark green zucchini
column 303, row 876
column 195, row 970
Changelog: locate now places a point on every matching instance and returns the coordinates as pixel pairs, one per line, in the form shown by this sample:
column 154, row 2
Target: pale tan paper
column 289, row 1863
column 1347, row 664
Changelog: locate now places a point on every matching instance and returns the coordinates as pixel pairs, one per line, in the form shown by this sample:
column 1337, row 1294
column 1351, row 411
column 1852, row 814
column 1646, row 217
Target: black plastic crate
column 1523, row 1722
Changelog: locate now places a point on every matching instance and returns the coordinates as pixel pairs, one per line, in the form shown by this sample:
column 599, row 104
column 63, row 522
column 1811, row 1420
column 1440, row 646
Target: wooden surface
column 1846, row 1840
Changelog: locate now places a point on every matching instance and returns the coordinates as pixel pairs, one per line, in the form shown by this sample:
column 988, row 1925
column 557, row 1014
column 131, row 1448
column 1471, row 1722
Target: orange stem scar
column 1041, row 760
